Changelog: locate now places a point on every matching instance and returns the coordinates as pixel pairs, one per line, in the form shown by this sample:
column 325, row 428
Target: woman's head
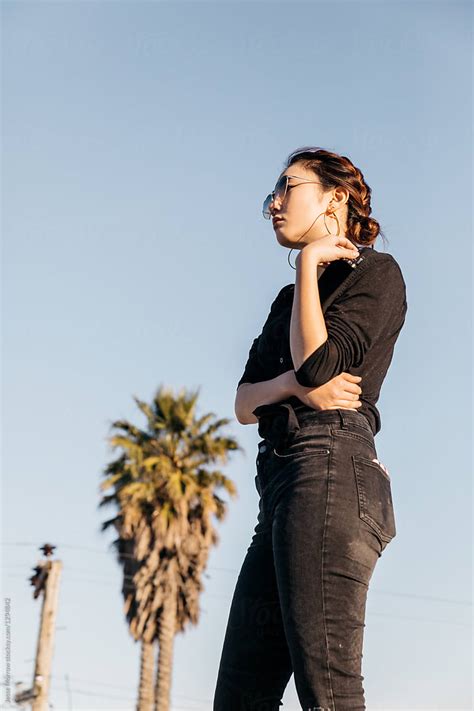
column 327, row 182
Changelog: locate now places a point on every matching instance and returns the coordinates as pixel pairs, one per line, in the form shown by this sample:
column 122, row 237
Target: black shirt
column 364, row 310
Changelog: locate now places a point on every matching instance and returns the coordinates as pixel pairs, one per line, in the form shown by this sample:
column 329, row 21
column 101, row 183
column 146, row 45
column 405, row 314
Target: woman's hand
column 327, row 249
column 342, row 391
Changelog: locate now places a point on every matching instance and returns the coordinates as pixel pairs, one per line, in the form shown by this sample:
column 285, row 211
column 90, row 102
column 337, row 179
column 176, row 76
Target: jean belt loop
column 293, row 422
column 343, row 418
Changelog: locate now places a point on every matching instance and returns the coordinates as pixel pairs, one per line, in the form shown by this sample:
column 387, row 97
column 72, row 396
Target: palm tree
column 164, row 490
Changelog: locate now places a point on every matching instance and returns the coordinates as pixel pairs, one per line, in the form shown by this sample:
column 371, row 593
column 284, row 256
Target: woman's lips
column 278, row 220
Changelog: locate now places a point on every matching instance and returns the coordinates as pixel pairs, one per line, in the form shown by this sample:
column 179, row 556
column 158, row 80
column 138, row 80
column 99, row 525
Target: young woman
column 312, row 380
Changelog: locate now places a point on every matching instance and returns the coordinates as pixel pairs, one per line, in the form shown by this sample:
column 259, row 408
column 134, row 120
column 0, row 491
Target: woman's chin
column 284, row 241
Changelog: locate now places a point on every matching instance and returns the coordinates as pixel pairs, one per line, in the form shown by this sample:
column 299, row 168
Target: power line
column 431, row 598
column 94, row 694
column 114, row 686
column 127, row 688
column 228, row 598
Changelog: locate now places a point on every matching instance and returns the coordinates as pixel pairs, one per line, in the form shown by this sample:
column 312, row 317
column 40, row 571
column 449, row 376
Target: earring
column 332, row 214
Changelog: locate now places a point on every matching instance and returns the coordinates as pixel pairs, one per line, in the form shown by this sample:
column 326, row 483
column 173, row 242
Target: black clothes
column 325, row 509
column 364, row 310
column 325, row 517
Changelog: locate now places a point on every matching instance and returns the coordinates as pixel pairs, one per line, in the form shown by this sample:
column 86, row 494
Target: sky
column 139, row 141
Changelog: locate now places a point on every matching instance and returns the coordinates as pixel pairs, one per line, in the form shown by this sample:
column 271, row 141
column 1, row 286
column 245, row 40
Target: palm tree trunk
column 165, row 655
column 145, row 693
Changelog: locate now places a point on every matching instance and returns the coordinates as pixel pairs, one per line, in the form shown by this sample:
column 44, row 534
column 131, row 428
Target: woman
column 325, row 509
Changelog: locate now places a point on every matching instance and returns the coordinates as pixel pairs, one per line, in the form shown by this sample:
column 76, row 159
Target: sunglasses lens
column 280, row 188
column 279, row 193
column 266, row 207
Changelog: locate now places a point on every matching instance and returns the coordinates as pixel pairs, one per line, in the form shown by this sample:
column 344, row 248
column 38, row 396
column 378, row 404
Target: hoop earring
column 331, row 214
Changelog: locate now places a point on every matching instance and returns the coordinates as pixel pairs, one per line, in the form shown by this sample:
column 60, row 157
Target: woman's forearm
column 307, row 325
column 250, row 395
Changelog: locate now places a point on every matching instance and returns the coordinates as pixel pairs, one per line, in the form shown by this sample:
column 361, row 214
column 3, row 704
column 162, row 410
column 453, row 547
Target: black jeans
column 325, row 516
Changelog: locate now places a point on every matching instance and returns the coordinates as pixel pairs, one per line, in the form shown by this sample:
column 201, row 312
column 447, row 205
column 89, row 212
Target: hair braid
column 336, row 170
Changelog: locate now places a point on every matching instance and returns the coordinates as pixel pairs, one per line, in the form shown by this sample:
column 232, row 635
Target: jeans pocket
column 374, row 492
column 305, row 442
column 298, row 451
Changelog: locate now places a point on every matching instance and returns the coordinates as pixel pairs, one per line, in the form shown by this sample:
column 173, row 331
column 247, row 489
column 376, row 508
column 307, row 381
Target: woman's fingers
column 350, row 383
column 346, row 245
column 349, row 404
column 345, row 242
column 352, row 388
column 351, row 378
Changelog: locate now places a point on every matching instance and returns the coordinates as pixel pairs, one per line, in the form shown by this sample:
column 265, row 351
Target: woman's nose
column 274, row 205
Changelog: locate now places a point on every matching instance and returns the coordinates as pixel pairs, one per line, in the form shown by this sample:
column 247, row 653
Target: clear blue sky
column 139, row 140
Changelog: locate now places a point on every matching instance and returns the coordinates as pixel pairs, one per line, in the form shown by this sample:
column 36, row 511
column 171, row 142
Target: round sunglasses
column 281, row 188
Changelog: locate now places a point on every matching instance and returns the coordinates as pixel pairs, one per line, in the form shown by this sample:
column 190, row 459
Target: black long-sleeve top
column 364, row 310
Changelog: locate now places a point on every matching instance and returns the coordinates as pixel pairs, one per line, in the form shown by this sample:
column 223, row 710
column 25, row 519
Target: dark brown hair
column 334, row 170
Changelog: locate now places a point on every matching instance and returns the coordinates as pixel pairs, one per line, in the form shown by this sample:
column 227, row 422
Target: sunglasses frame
column 271, row 196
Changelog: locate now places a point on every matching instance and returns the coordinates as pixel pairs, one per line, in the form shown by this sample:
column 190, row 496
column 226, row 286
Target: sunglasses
column 279, row 193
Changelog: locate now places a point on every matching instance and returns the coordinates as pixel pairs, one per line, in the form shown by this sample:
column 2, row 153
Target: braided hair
column 335, row 170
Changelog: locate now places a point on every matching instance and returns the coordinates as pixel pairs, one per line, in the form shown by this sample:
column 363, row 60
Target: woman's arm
column 250, row 395
column 307, row 325
column 373, row 308
column 340, row 392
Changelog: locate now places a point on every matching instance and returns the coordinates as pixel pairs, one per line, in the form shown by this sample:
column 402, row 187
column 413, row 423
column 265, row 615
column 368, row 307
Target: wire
column 120, row 686
column 132, row 700
column 431, row 598
column 88, row 581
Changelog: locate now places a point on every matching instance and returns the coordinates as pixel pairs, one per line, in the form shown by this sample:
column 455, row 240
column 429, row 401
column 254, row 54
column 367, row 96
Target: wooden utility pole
column 46, row 581
column 45, row 646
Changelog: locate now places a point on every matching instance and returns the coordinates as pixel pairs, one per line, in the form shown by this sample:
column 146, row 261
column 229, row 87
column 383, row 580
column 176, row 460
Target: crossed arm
column 324, row 349
column 342, row 391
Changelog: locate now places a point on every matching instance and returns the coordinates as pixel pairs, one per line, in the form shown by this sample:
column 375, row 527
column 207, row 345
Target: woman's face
column 300, row 208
